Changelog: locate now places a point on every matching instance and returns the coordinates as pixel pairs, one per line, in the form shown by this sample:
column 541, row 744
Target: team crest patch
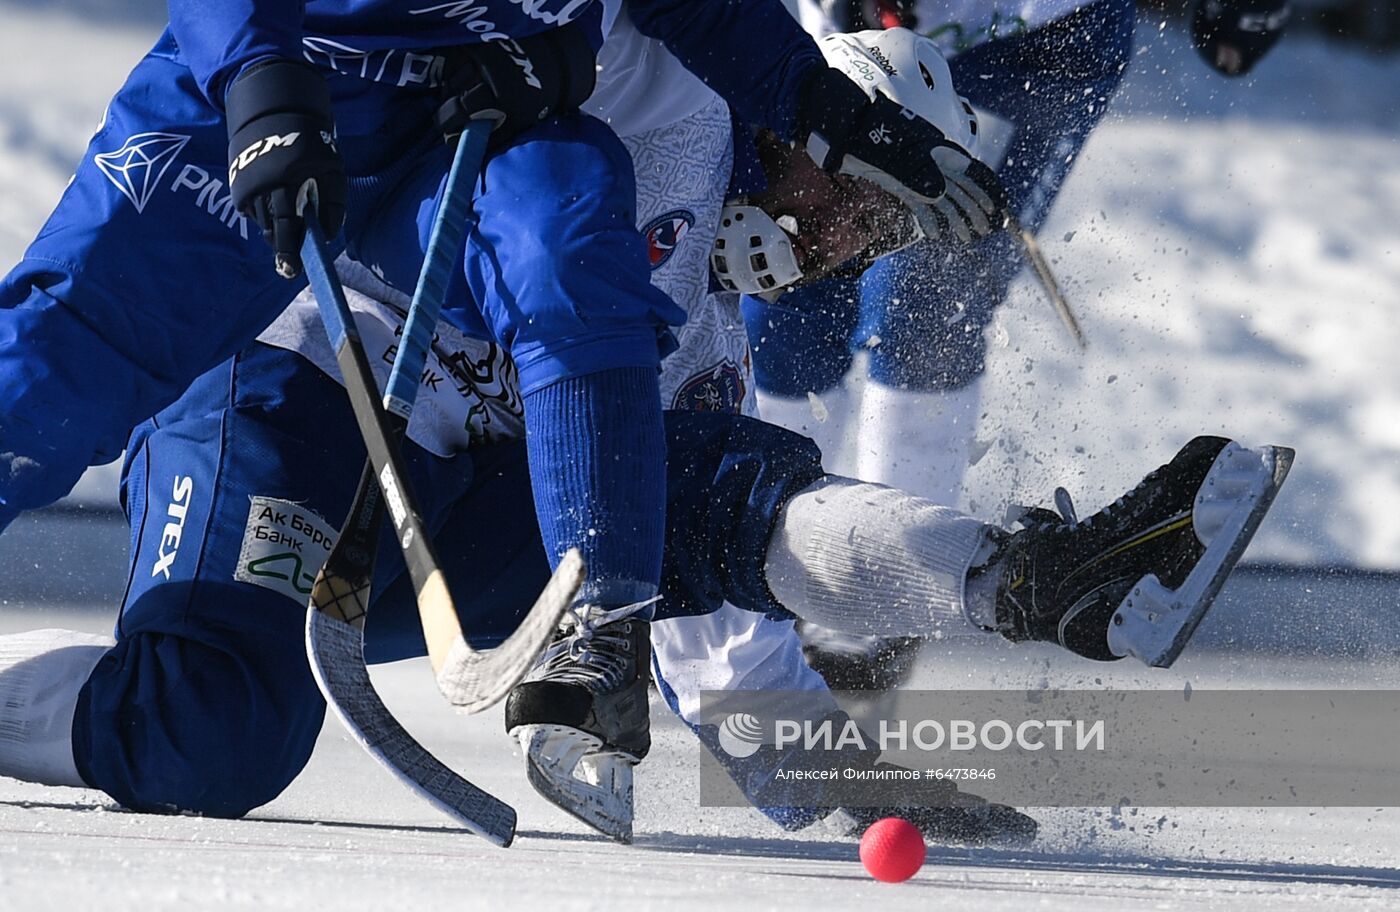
column 716, row 389
column 664, row 234
column 284, row 545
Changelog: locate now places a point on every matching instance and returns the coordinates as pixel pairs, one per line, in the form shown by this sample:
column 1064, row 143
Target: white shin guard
column 866, row 559
column 917, row 441
column 41, row 674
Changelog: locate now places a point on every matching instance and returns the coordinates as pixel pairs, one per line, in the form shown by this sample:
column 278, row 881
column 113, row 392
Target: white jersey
column 469, row 391
column 641, row 85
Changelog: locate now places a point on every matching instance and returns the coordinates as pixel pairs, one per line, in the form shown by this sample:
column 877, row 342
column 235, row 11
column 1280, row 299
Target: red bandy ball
column 892, row 850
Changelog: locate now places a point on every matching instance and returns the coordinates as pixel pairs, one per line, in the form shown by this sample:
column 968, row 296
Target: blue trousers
column 145, row 277
column 929, row 304
column 206, row 703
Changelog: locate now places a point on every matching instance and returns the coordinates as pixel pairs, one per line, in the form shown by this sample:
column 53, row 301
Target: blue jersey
column 218, row 38
column 753, row 53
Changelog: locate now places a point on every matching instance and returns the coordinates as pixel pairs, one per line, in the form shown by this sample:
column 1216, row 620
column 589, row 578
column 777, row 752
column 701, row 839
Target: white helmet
column 754, row 252
column 908, row 69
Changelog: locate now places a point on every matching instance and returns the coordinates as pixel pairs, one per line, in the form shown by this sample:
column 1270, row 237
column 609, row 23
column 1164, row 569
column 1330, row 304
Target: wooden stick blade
column 473, row 680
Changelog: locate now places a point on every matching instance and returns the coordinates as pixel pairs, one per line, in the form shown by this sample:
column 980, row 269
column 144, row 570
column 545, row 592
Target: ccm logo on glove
column 282, row 153
column 258, row 148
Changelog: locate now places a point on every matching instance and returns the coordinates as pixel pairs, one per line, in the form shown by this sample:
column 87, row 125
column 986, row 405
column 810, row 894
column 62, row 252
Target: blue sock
column 597, row 452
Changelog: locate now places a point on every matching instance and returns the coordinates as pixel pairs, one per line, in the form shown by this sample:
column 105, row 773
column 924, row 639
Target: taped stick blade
column 473, row 680
column 336, row 652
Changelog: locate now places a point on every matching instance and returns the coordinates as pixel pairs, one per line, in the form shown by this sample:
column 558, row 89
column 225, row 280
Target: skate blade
column 1155, row 623
column 565, row 767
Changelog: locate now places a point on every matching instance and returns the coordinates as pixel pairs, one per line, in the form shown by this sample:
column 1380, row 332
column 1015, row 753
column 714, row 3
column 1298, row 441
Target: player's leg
column 756, row 520
column 563, row 276
column 931, row 304
column 205, row 702
column 560, row 275
column 98, row 326
column 682, row 173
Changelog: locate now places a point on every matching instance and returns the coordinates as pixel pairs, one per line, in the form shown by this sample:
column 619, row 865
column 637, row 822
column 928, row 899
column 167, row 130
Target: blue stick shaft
column 454, row 220
column 325, row 285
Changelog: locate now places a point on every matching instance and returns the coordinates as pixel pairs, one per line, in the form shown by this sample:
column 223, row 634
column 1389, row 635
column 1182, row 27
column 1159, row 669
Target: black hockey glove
column 1233, row 35
column 846, row 132
column 517, row 84
column 281, row 150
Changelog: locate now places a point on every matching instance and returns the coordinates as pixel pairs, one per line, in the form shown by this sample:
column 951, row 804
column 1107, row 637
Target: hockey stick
column 469, row 679
column 1030, row 249
column 340, row 595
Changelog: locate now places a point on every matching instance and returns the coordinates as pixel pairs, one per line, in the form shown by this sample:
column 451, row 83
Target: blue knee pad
column 728, row 478
column 206, row 703
column 802, row 342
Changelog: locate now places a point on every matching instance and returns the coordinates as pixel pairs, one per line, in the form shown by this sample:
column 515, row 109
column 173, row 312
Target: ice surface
column 1233, row 249
column 345, row 836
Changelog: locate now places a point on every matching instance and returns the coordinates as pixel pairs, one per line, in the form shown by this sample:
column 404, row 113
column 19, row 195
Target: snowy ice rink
column 344, row 835
column 1234, row 250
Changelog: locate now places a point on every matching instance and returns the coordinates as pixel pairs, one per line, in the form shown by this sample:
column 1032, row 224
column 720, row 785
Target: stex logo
column 137, row 167
column 179, row 508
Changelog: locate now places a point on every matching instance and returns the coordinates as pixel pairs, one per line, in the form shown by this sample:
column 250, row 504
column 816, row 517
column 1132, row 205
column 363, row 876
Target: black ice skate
column 1137, row 577
column 581, row 716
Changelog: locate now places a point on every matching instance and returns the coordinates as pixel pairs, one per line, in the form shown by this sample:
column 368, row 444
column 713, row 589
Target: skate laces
column 593, row 646
column 1067, row 518
column 1065, row 505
